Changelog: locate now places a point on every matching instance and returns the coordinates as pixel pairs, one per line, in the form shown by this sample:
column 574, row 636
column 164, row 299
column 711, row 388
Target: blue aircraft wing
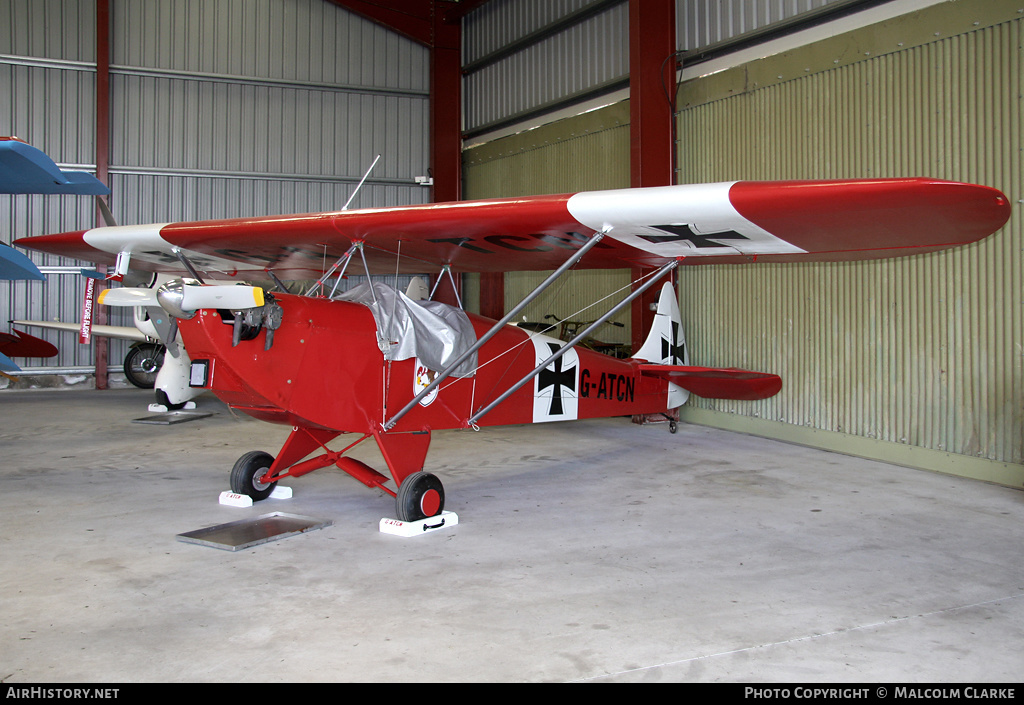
column 14, row 265
column 25, row 169
column 7, row 364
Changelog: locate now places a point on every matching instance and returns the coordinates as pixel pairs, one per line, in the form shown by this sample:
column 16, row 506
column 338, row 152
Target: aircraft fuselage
column 325, row 370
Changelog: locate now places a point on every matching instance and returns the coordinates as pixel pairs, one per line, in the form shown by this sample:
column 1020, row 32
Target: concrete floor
column 593, row 551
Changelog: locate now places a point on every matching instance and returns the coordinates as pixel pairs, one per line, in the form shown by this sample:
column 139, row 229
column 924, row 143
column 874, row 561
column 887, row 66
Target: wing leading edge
column 730, row 222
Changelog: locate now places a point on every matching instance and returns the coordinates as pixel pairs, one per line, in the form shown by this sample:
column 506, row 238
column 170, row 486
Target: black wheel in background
column 142, row 363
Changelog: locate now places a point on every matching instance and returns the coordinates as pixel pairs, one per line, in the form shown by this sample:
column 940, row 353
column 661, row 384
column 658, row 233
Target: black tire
column 246, row 473
column 142, row 363
column 420, row 495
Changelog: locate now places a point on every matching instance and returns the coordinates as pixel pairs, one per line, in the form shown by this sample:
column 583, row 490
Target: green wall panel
column 917, row 360
column 923, row 351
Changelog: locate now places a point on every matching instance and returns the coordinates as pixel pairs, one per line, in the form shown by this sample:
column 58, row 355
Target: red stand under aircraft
column 378, row 365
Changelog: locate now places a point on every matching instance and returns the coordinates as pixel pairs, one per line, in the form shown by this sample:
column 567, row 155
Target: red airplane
column 376, row 364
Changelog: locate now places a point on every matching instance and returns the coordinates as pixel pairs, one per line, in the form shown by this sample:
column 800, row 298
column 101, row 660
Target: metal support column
column 101, row 344
column 652, row 80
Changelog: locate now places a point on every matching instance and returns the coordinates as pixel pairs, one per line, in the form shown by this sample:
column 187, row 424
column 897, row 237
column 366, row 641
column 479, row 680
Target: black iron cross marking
column 685, row 232
column 558, row 378
column 670, row 351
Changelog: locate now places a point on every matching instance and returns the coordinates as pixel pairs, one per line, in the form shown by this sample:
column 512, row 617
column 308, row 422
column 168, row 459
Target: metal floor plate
column 245, row 533
column 172, row 417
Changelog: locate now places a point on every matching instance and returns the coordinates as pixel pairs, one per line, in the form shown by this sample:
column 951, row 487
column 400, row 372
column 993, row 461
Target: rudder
column 666, row 343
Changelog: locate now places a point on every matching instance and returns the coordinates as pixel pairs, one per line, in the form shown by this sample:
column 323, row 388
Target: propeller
column 193, row 297
column 127, row 296
column 181, row 298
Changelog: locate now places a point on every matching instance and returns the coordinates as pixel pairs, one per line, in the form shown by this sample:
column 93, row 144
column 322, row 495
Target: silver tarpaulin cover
column 434, row 332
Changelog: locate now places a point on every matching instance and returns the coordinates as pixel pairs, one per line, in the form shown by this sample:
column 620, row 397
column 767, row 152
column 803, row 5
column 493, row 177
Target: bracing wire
column 519, row 345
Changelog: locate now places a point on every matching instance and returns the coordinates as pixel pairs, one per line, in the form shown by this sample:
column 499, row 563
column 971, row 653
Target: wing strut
column 665, row 269
column 334, row 267
column 443, row 375
column 447, row 269
column 280, row 284
column 185, row 263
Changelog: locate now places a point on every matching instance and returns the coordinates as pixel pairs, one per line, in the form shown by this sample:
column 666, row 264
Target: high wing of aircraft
column 704, row 224
column 377, row 365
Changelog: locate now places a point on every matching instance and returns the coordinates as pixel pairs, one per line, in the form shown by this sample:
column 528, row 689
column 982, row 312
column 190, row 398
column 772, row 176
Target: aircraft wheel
column 162, row 400
column 421, row 495
column 673, row 426
column 246, row 473
column 142, row 363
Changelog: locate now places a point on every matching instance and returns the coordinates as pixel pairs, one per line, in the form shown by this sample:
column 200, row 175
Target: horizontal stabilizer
column 718, row 383
column 21, row 344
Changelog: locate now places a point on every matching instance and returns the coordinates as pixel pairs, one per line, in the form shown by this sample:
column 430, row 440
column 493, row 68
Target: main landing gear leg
column 420, row 494
column 256, row 473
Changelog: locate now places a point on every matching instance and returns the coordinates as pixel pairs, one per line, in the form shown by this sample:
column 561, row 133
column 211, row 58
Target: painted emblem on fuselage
column 556, row 389
column 421, row 380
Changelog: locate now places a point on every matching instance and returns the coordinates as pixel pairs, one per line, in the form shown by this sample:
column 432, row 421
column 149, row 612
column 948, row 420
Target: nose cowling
column 171, row 296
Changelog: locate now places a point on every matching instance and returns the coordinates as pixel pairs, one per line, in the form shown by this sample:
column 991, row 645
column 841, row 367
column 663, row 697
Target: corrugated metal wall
column 220, row 108
column 587, row 153
column 262, row 106
column 47, row 97
column 701, row 23
column 522, row 59
column 570, row 62
column 926, row 351
column 499, row 23
column 917, row 360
